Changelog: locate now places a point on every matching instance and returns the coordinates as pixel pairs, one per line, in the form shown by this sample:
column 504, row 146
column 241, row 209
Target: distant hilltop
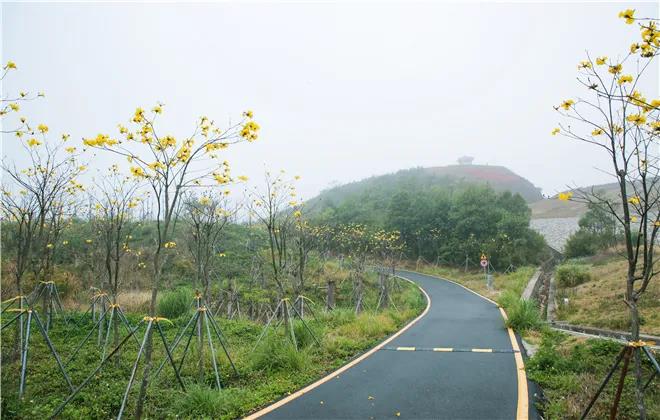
column 453, row 176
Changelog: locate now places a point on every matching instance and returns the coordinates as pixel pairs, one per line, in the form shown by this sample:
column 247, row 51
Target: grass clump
column 175, row 303
column 277, row 353
column 571, row 275
column 523, row 315
column 207, row 403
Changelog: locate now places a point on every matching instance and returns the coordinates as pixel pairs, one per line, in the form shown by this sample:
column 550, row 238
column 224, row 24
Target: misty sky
column 342, row 91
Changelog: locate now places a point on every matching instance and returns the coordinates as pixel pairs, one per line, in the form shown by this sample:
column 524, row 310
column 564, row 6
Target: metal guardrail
column 620, row 336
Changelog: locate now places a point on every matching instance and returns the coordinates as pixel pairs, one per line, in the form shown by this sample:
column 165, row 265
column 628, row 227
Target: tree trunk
column 384, row 301
column 139, row 408
column 634, row 336
column 359, row 292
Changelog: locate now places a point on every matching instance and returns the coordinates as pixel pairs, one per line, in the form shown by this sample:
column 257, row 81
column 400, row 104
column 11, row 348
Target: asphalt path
column 407, row 378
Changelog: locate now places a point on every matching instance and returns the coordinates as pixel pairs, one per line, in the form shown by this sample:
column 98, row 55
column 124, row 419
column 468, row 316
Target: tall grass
column 176, row 303
column 523, row 315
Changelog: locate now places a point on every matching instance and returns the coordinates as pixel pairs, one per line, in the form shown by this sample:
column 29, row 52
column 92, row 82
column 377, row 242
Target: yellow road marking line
column 447, row 349
column 482, row 350
column 522, row 411
column 347, row 366
column 405, row 349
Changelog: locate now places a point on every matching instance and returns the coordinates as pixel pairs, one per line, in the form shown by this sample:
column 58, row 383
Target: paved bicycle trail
column 423, row 383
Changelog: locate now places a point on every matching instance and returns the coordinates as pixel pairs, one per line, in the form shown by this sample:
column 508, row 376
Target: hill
column 414, row 180
column 551, row 208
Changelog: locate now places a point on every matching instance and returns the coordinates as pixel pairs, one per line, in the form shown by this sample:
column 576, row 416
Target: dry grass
column 135, row 300
column 599, row 302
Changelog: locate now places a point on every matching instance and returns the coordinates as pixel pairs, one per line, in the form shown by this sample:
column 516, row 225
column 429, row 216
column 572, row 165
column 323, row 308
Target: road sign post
column 489, row 277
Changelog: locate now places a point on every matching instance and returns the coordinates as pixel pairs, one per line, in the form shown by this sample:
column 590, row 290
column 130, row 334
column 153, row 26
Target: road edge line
column 331, row 375
column 522, row 408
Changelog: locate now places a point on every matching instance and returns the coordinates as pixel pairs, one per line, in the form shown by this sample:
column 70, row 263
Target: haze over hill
column 453, row 176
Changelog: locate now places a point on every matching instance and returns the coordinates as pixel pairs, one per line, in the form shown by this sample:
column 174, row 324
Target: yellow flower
column 82, row 168
column 88, row 241
column 628, row 15
column 221, row 254
column 156, row 165
column 297, row 177
column 99, row 141
column 565, row 196
column 637, row 119
column 137, row 172
column 70, row 149
column 10, row 65
column 625, row 79
column 634, row 200
column 248, row 114
column 170, row 245
column 633, row 219
column 297, row 214
column 555, row 131
column 65, row 137
column 33, row 142
column 157, row 109
column 634, row 48
column 243, row 178
column 249, row 131
column 138, row 116
column 655, row 126
column 615, row 69
column 567, row 104
column 43, row 128
column 65, row 243
column 597, row 132
column 14, row 107
column 204, row 200
column 601, row 60
column 584, row 65
column 49, row 246
column 656, row 223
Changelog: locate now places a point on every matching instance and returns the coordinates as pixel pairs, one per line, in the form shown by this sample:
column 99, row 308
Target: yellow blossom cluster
column 170, row 245
column 249, row 131
column 101, row 140
column 565, row 196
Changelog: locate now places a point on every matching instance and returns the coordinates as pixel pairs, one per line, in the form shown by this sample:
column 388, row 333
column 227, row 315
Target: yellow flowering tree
column 206, row 216
column 388, row 248
column 113, row 201
column 169, row 166
column 620, row 122
column 275, row 209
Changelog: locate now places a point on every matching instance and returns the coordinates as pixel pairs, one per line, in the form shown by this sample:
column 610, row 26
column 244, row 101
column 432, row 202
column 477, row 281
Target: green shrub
column 523, row 315
column 175, row 303
column 581, row 244
column 508, row 299
column 571, row 275
column 276, row 353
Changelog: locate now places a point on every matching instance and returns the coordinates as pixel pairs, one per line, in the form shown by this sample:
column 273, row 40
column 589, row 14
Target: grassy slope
column 599, row 302
column 270, row 372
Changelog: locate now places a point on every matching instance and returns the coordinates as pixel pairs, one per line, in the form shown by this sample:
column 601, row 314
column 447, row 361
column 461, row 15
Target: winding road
column 457, row 360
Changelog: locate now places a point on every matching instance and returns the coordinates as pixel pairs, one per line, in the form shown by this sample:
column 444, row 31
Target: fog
column 342, row 91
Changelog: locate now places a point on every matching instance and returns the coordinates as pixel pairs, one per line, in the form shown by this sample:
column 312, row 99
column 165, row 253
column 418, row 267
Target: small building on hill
column 465, row 160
